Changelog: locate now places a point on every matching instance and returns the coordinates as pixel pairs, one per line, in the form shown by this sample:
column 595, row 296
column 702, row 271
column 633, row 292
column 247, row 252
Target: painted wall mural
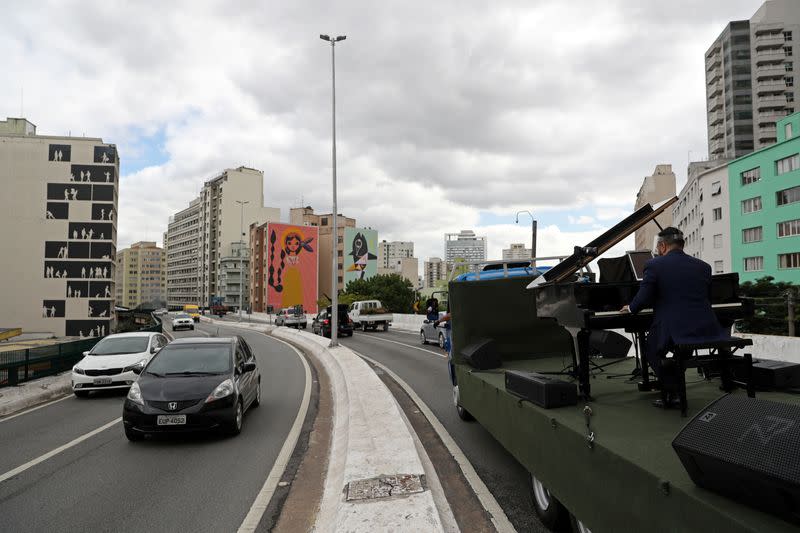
column 87, row 328
column 53, row 309
column 78, row 270
column 68, row 192
column 103, row 193
column 90, row 231
column 105, row 154
column 93, row 173
column 292, row 266
column 57, row 211
column 102, row 211
column 99, row 308
column 59, row 152
column 360, row 254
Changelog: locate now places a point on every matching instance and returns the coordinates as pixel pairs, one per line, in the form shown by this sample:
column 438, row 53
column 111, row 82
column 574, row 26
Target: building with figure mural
column 289, row 259
column 360, row 254
column 58, row 226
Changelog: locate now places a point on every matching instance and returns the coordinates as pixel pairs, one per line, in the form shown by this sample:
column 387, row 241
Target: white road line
column 51, row 453
column 32, row 409
column 261, row 502
column 499, row 518
column 408, row 346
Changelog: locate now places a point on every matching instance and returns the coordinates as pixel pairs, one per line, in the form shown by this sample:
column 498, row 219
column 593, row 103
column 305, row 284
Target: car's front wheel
column 441, row 340
column 236, row 424
column 81, row 393
column 133, row 435
column 257, row 400
column 422, row 337
column 191, row 328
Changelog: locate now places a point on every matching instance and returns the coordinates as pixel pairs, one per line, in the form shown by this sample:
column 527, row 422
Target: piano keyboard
column 650, row 311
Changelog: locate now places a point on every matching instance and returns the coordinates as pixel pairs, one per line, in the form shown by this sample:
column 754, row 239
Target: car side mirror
column 249, row 366
column 153, row 349
column 86, row 353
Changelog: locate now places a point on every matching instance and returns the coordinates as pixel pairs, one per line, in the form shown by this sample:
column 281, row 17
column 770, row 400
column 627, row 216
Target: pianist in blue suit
column 678, row 288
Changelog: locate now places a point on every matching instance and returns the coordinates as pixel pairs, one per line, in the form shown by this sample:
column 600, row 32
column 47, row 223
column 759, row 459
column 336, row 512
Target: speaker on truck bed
column 540, row 389
column 746, row 449
column 482, row 355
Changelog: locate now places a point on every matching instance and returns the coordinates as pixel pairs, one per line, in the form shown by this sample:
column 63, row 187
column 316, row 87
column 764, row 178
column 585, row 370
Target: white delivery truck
column 370, row 314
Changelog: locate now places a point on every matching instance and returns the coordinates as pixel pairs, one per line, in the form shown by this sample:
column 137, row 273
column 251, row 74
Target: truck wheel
column 363, row 326
column 422, row 337
column 385, row 326
column 441, row 340
column 578, row 526
column 550, row 511
column 463, row 414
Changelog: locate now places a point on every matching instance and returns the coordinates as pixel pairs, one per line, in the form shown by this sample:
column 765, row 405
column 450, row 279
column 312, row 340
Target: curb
column 370, row 445
column 35, row 392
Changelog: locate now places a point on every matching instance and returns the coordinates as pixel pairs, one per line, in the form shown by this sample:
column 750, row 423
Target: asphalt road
column 105, row 483
column 424, row 368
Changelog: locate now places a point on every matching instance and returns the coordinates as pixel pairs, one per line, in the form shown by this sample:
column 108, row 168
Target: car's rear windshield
column 202, row 358
column 120, row 345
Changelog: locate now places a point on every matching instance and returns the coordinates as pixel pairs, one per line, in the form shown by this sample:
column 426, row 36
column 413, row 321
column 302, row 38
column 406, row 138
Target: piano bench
column 685, row 357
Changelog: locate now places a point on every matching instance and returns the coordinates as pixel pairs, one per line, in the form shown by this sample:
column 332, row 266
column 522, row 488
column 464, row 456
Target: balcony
column 770, row 70
column 769, row 56
column 766, row 41
column 713, row 61
column 716, row 147
column 764, row 88
column 767, row 133
column 715, row 103
column 717, row 117
column 769, row 118
column 716, row 132
column 766, row 103
column 714, row 76
column 714, row 89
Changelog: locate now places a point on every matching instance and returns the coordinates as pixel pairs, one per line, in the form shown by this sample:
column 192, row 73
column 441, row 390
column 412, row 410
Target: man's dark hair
column 670, row 236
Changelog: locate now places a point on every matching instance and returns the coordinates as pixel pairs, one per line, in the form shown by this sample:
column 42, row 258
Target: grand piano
column 581, row 305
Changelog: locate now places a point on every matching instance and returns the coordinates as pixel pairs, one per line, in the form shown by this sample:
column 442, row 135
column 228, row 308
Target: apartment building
column 58, row 220
column 405, row 267
column 389, row 252
column 181, row 246
column 464, row 245
column 305, row 216
column 227, row 205
column 516, row 251
column 656, row 188
column 234, row 277
column 765, row 208
column 258, row 267
column 750, row 79
column 140, row 276
column 435, row 270
column 702, row 213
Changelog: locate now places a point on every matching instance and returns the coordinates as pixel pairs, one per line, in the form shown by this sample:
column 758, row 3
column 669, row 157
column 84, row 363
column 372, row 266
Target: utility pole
column 533, row 235
column 241, row 260
column 335, row 238
column 790, row 314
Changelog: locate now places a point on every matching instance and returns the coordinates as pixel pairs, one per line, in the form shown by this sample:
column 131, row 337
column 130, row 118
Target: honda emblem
column 172, row 406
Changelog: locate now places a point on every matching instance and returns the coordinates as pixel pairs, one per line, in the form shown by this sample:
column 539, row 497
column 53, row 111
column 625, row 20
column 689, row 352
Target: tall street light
column 241, row 260
column 335, row 238
column 533, row 235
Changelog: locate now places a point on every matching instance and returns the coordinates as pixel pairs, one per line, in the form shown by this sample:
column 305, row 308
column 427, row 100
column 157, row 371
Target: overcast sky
column 451, row 114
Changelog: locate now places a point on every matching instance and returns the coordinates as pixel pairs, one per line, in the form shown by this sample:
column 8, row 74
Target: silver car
column 291, row 318
column 429, row 333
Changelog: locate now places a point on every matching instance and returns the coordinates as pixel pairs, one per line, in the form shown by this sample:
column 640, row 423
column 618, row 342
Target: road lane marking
column 250, row 522
column 431, row 352
column 51, row 453
column 32, row 409
column 499, row 518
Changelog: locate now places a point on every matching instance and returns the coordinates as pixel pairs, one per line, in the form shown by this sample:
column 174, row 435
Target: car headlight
column 223, row 389
column 78, row 370
column 135, row 394
column 139, row 364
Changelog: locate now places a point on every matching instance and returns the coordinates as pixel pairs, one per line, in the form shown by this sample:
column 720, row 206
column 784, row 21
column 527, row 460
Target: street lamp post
column 335, row 238
column 533, row 235
column 241, row 261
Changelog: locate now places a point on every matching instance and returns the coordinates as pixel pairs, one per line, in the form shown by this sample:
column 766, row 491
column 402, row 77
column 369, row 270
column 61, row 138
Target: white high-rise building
column 435, row 270
column 464, row 245
column 516, row 251
column 390, row 252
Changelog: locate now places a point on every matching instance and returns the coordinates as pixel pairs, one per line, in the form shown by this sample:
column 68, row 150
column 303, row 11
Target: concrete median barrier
column 375, row 478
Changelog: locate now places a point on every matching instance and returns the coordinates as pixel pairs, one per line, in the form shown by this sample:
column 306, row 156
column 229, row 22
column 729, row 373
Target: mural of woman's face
column 293, row 245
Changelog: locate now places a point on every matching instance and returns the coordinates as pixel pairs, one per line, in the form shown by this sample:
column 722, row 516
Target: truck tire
column 385, row 326
column 462, row 413
column 549, row 510
column 363, row 326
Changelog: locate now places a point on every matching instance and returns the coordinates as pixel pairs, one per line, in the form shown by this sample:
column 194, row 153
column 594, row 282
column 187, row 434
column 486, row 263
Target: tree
column 394, row 291
column 770, row 316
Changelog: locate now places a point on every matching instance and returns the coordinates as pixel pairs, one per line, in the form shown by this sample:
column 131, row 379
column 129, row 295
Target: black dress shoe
column 672, row 402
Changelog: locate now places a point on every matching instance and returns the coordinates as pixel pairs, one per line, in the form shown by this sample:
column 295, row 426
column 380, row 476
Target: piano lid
column 586, row 254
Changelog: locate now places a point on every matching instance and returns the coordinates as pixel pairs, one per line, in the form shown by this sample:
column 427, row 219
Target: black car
column 194, row 384
column 322, row 322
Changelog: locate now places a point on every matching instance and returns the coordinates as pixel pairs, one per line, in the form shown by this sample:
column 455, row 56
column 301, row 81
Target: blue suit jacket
column 678, row 288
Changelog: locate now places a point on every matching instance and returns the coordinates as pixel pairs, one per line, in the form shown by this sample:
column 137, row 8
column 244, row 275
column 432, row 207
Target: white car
column 115, row 362
column 181, row 321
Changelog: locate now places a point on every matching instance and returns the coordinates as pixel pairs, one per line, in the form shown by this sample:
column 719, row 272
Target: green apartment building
column 765, row 208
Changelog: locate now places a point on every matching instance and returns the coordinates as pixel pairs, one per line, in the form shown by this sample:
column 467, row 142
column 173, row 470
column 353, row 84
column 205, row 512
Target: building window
column 752, row 264
column 788, row 50
column 716, row 188
column 788, row 196
column 787, row 36
column 752, row 234
column 718, row 268
column 789, row 260
column 789, row 97
column 717, row 213
column 323, row 221
column 787, row 164
column 718, row 240
column 787, row 130
column 751, row 205
column 789, row 228
column 789, row 81
column 750, row 176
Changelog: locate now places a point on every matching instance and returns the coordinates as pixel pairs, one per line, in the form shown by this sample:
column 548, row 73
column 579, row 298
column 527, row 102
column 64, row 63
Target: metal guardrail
column 19, row 366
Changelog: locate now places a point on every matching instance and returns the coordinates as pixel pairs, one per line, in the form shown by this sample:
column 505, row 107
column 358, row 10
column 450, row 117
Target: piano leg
column 644, row 385
column 584, row 387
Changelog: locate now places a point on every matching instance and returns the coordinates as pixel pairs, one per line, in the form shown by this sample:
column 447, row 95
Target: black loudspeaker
column 482, row 355
column 540, row 389
column 609, row 344
column 746, row 449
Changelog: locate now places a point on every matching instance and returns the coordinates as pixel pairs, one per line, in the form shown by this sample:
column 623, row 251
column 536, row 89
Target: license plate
column 171, row 420
column 102, row 381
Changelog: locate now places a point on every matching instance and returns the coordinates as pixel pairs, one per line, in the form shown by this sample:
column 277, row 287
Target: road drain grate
column 384, row 487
